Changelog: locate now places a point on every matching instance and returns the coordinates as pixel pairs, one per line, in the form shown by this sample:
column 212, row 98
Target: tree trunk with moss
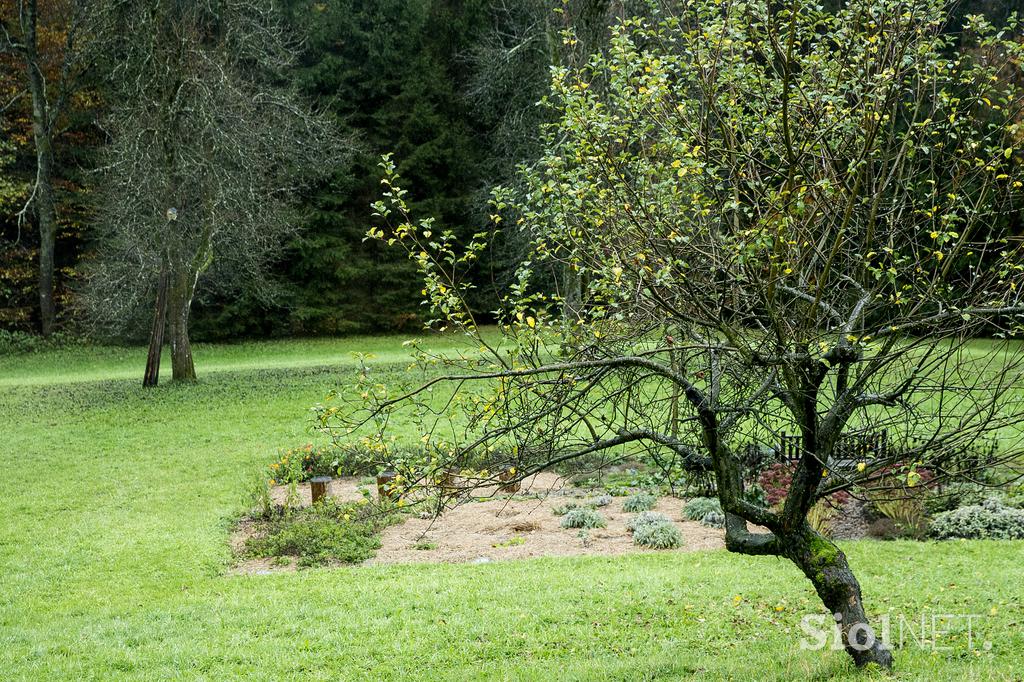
column 825, row 566
column 182, row 289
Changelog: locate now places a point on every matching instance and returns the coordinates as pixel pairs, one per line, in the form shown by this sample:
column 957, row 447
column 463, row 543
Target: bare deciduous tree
column 50, row 87
column 207, row 151
column 788, row 220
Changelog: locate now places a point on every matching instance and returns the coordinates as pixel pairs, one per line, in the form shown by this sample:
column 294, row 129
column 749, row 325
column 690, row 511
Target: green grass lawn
column 116, row 503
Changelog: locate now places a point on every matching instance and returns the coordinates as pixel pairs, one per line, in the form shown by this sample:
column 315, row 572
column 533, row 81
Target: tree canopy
column 784, row 219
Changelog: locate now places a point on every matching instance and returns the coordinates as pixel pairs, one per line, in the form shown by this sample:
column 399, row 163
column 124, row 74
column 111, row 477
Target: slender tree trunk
column 156, row 338
column 47, row 246
column 179, row 305
column 42, row 131
column 825, row 566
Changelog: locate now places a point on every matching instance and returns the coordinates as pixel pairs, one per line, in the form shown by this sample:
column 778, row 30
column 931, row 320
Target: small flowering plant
column 300, row 464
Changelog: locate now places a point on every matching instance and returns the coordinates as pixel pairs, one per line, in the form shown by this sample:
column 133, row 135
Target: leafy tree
column 764, row 202
column 207, row 151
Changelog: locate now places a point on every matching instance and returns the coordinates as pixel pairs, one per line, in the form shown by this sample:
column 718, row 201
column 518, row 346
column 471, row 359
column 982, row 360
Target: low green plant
column 13, row 342
column 425, row 545
column 600, row 501
column 583, row 517
column 303, row 463
column 262, row 503
column 755, row 494
column 713, row 519
column 324, row 532
column 639, row 502
column 697, row 508
column 1014, row 496
column 563, row 509
column 989, row 520
column 514, row 541
column 645, row 518
column 661, row 535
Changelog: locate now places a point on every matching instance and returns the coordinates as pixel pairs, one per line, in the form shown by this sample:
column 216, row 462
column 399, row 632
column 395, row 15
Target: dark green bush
column 21, row 343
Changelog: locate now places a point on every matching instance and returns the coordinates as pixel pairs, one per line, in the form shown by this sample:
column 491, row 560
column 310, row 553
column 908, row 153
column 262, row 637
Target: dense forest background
column 451, row 87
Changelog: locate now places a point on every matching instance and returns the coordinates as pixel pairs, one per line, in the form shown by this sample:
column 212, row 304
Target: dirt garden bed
column 494, row 527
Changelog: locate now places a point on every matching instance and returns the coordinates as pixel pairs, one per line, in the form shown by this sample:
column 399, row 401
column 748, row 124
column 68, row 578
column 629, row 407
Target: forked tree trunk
column 179, row 305
column 156, row 338
column 825, row 566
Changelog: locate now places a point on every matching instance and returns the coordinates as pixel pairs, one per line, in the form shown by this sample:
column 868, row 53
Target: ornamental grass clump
column 583, row 518
column 639, row 502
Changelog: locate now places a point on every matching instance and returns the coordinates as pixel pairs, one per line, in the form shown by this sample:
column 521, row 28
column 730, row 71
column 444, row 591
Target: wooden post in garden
column 386, row 488
column 318, row 487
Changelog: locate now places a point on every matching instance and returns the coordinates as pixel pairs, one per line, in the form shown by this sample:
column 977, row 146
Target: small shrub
column 425, row 545
column 662, row 535
column 327, row 531
column 713, row 519
column 303, row 463
column 600, row 501
column 755, row 494
column 990, row 519
column 583, row 518
column 645, row 518
column 1014, row 497
column 639, row 502
column 699, row 507
column 563, row 509
column 775, row 481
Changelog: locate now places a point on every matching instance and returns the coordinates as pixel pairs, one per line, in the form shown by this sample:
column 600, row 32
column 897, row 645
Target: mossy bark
column 826, row 567
column 179, row 306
